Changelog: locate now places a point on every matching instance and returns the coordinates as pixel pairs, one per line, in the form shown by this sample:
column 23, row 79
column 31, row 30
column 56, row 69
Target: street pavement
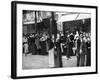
column 42, row 61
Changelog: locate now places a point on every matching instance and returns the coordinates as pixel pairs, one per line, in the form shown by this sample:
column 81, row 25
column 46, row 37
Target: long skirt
column 26, row 48
column 43, row 48
column 33, row 49
column 51, row 58
column 81, row 60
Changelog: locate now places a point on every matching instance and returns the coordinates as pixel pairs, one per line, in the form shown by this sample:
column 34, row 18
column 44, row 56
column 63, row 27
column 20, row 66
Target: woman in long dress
column 37, row 42
column 83, row 52
column 43, row 45
column 51, row 53
column 25, row 45
column 32, row 44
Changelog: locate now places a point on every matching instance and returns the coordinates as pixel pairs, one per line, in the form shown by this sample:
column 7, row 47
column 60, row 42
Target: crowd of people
column 34, row 44
column 71, row 44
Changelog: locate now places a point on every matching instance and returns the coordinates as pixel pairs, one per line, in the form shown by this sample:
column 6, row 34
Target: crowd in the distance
column 71, row 44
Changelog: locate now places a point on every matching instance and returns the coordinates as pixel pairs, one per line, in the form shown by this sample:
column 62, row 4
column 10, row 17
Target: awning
column 73, row 17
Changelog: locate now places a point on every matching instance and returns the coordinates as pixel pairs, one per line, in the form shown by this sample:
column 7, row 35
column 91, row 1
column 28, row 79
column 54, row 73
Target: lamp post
column 83, row 21
column 35, row 21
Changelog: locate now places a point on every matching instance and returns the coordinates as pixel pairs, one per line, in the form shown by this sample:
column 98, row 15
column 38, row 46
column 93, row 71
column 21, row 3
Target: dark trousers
column 78, row 60
column 88, row 56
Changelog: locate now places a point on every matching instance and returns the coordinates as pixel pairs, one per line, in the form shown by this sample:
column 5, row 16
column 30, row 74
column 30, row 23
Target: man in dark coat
column 78, row 51
column 88, row 61
column 67, row 45
column 71, row 37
